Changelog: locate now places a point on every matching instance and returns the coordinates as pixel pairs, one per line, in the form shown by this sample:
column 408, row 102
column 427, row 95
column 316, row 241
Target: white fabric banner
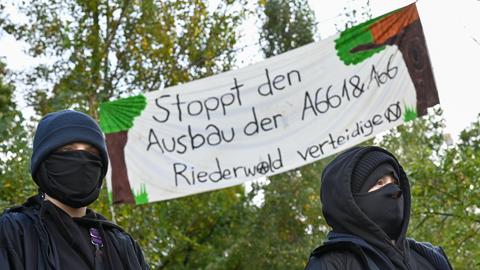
column 264, row 119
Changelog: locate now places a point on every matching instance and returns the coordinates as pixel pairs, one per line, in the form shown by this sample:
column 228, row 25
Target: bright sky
column 452, row 31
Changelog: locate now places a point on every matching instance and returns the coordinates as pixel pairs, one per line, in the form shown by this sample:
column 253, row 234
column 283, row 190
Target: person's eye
column 66, row 149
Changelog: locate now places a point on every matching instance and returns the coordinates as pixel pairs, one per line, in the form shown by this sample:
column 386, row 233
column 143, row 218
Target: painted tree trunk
column 121, row 190
column 411, row 43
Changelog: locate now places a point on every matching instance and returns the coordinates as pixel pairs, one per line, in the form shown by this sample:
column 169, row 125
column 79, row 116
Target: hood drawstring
column 100, row 238
column 97, row 240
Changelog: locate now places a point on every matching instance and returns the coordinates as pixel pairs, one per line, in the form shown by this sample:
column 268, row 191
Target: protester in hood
column 365, row 196
column 55, row 229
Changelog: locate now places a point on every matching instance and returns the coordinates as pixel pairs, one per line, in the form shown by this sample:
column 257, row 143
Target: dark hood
column 343, row 214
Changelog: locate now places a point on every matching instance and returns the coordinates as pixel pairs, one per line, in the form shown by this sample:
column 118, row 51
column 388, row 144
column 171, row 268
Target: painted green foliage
column 141, row 196
column 351, row 38
column 409, row 113
column 118, row 115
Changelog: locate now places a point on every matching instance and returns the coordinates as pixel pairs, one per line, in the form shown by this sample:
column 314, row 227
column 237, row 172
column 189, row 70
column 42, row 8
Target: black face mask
column 384, row 207
column 71, row 177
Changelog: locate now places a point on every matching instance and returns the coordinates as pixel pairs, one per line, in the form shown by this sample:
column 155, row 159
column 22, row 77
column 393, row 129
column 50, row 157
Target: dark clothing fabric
column 366, row 166
column 344, row 251
column 339, row 257
column 40, row 236
column 359, row 254
column 69, row 237
column 384, row 207
column 433, row 254
column 355, row 238
column 371, row 179
column 71, row 177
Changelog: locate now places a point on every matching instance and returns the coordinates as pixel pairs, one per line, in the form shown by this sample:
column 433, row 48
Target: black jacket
column 25, row 242
column 356, row 242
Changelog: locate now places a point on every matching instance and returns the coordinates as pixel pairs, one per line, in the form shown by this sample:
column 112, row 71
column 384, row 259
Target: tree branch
column 450, row 215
